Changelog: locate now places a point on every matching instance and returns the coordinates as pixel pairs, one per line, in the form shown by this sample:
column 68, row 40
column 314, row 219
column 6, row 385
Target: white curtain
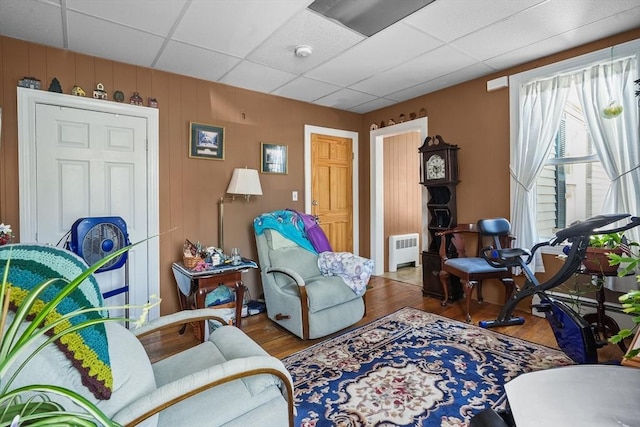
column 540, row 113
column 616, row 139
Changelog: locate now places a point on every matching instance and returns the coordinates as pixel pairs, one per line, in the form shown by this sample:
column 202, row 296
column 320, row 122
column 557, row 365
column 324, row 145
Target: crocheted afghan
column 87, row 348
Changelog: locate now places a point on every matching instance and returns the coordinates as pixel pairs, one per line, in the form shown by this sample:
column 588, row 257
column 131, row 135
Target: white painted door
column 93, row 164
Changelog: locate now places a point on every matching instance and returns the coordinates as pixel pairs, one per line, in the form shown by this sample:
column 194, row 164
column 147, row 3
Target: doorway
column 71, row 129
column 309, row 130
column 376, row 138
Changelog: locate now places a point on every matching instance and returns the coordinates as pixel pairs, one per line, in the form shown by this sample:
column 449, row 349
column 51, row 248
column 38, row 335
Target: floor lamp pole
column 221, row 223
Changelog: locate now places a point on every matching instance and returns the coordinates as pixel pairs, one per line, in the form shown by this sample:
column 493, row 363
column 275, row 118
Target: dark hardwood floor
column 384, row 296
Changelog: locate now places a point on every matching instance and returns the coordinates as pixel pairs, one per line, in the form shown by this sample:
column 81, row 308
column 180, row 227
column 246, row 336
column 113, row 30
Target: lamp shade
column 245, row 182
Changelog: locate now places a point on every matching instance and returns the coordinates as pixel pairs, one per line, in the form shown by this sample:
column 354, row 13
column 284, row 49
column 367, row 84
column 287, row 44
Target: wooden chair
column 472, row 270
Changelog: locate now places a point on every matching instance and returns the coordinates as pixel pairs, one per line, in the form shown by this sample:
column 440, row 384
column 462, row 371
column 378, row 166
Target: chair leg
column 444, row 281
column 479, row 292
column 468, row 290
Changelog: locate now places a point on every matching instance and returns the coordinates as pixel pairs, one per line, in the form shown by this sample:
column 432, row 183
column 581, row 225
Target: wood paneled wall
column 402, row 191
column 189, row 188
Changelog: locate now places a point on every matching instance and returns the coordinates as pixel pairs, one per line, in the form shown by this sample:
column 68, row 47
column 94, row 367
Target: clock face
column 435, row 167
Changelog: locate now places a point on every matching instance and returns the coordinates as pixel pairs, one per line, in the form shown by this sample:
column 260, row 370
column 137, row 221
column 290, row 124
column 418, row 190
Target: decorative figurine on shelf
column 55, row 86
column 382, row 124
column 78, row 91
column 136, row 99
column 99, row 92
column 373, row 126
column 153, row 103
column 422, row 112
column 391, row 122
column 29, row 82
column 412, row 116
column 402, row 118
column 118, row 96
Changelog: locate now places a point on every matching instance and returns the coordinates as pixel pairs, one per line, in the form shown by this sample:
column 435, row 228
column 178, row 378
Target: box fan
column 95, row 238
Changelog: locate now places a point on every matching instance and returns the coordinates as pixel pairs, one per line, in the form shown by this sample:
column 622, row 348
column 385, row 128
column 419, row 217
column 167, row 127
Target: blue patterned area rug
column 410, row 368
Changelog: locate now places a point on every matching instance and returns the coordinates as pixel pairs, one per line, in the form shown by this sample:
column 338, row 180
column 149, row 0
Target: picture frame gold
column 206, row 141
column 274, row 158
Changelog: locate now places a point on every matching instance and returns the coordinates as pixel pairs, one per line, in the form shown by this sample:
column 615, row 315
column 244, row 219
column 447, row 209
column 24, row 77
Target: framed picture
column 206, row 141
column 273, row 158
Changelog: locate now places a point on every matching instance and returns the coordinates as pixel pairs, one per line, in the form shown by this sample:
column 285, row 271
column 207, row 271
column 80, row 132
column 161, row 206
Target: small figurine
column 402, row 118
column 136, row 99
column 422, row 112
column 412, row 116
column 381, row 124
column 55, row 86
column 29, row 82
column 99, row 92
column 391, row 122
column 373, row 126
column 152, row 102
column 118, row 96
column 78, row 91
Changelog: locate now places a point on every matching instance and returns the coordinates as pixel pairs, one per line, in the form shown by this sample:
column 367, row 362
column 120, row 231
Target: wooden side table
column 193, row 288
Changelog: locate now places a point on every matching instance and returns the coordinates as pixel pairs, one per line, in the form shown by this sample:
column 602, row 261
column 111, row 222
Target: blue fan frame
column 81, row 227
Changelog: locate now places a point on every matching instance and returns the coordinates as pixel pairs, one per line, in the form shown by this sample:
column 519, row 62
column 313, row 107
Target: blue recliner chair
column 298, row 296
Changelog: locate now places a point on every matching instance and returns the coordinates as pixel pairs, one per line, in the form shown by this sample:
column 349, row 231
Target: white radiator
column 403, row 248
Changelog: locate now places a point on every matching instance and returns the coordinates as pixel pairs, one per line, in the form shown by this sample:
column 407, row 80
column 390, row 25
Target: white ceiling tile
column 451, row 19
column 33, row 21
column 469, row 73
column 376, row 104
column 344, row 99
column 146, row 15
column 89, row 35
column 250, row 43
column 392, row 46
column 424, row 68
column 249, row 75
column 193, row 61
column 326, row 38
column 304, row 89
column 234, row 27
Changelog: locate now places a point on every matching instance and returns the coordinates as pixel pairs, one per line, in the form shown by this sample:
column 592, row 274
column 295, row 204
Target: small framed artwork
column 273, row 158
column 206, row 141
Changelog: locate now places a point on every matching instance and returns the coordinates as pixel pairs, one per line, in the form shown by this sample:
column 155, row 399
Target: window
column 573, row 183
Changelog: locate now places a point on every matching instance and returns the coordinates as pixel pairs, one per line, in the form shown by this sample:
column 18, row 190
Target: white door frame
column 27, row 101
column 376, row 140
column 308, row 130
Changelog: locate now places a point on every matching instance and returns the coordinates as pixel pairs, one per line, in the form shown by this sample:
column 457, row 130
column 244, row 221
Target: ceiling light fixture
column 303, row 50
column 367, row 17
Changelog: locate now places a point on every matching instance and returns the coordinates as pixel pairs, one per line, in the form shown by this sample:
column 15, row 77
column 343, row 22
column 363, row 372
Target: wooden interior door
column 331, row 188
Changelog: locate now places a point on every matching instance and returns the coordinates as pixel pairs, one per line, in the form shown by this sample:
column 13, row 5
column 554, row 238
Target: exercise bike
column 574, row 335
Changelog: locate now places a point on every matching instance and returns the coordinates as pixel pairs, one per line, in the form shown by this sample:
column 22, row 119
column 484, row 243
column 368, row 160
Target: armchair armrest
column 190, row 385
column 178, row 318
column 289, row 272
column 456, row 240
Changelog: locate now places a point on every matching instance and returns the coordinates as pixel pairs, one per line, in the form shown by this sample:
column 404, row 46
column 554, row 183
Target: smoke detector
column 303, row 50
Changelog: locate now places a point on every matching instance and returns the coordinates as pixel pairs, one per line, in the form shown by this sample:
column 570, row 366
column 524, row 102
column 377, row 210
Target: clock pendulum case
column 439, row 174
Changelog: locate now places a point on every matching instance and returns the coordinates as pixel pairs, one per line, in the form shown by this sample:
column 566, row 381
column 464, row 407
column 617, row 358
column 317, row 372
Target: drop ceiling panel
column 33, row 21
column 249, row 75
column 145, row 15
column 193, row 61
column 344, row 99
column 553, row 18
column 424, row 68
column 390, row 47
column 452, row 19
column 234, row 27
column 326, row 38
column 88, row 35
column 304, row 89
column 372, row 105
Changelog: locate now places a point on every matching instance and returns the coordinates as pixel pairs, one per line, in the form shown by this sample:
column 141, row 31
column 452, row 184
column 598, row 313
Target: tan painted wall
column 189, row 188
column 464, row 114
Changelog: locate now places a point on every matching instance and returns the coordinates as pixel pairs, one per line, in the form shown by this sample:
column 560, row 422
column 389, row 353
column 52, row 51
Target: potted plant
column 19, row 340
column 630, row 301
column 600, row 246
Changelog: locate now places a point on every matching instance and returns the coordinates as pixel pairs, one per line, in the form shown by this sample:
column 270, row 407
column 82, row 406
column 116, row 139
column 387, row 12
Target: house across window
column 573, row 183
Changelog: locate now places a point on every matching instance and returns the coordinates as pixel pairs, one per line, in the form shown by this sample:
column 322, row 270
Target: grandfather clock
column 439, row 173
